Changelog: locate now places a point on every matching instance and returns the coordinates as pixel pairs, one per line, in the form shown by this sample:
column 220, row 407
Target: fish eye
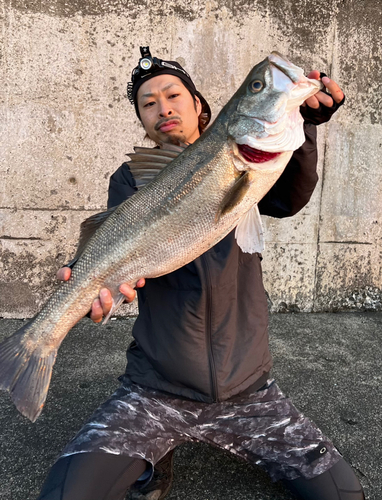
column 256, row 86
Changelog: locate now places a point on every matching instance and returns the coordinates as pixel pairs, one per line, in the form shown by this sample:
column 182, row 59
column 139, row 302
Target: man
column 199, row 367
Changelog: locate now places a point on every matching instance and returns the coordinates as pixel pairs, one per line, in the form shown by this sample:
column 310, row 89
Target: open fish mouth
column 293, row 72
column 272, row 122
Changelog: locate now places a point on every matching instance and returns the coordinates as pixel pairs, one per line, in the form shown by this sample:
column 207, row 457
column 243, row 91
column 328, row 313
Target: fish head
column 264, row 117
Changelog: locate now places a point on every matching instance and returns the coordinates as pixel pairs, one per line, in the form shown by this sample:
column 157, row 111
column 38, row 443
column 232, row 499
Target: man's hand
column 102, row 305
column 336, row 93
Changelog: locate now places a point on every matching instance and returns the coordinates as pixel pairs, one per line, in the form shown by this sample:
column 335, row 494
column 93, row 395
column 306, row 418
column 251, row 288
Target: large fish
column 199, row 196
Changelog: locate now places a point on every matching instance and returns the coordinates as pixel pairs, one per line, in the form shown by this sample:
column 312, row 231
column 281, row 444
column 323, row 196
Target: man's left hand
column 321, row 97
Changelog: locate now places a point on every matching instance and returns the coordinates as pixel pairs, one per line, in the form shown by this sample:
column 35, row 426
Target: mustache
column 165, row 120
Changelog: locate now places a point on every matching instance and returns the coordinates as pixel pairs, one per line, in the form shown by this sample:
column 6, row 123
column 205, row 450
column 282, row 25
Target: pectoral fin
column 234, row 195
column 249, row 232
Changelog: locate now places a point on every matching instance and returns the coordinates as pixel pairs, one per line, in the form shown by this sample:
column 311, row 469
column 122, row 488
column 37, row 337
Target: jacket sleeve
column 121, row 186
column 296, row 184
column 293, row 189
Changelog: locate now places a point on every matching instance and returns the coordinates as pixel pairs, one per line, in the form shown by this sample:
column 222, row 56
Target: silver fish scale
column 161, row 222
column 162, row 227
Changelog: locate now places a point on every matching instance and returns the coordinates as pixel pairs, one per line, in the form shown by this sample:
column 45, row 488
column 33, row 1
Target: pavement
column 329, row 364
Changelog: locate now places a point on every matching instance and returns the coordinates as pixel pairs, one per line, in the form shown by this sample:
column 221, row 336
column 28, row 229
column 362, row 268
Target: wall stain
column 27, row 281
column 63, row 8
column 5, row 237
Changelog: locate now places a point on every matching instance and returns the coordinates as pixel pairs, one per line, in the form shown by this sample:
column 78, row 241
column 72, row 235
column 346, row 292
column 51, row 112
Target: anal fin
column 118, row 300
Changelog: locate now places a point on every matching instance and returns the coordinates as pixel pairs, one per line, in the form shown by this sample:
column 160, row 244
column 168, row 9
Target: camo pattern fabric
column 264, row 428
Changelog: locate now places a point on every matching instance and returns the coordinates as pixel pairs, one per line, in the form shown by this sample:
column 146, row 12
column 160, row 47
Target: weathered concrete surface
column 65, row 126
column 330, row 364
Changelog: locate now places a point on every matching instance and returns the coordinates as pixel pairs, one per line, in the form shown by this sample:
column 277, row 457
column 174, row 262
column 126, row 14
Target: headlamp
column 145, row 63
column 148, row 66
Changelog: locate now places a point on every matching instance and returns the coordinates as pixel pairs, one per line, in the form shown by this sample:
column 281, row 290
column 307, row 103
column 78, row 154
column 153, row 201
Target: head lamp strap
column 149, row 65
column 168, row 65
column 130, row 92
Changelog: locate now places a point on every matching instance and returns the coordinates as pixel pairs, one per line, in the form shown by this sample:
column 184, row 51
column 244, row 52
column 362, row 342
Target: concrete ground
column 330, row 364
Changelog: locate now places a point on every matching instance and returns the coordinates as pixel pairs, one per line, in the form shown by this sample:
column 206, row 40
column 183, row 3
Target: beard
column 176, row 139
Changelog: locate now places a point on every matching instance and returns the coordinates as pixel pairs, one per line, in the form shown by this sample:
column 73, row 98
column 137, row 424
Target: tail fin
column 26, row 370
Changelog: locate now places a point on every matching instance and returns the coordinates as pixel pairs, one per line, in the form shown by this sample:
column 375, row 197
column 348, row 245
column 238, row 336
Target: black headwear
column 149, row 67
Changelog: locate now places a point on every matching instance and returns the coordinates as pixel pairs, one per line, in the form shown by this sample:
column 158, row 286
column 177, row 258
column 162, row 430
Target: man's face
column 168, row 111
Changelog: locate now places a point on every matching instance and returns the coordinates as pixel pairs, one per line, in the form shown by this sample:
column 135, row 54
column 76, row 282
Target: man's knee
column 89, row 476
column 337, row 483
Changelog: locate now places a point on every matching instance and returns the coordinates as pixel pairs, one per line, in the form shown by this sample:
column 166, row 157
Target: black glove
column 322, row 114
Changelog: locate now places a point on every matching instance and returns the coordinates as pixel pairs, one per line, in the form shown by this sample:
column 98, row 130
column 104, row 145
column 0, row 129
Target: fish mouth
column 277, row 128
column 293, row 72
column 300, row 86
column 253, row 155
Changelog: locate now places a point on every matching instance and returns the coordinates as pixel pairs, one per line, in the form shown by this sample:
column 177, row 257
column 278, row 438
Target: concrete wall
column 65, row 126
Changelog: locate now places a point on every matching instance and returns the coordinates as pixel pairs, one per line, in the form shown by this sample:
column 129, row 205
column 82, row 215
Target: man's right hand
column 102, row 305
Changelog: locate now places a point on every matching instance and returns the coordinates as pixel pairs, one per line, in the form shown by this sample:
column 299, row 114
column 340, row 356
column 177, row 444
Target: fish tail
column 26, row 370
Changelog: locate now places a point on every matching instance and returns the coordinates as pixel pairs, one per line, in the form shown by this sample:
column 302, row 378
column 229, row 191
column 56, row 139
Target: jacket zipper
column 209, row 329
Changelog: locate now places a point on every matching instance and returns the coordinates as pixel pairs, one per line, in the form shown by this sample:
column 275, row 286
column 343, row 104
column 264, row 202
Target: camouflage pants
column 264, row 428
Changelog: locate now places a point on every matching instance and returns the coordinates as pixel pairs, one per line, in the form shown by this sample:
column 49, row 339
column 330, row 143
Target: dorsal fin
column 174, row 147
column 234, row 195
column 147, row 163
column 88, row 227
column 148, row 151
column 147, row 157
column 142, row 165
